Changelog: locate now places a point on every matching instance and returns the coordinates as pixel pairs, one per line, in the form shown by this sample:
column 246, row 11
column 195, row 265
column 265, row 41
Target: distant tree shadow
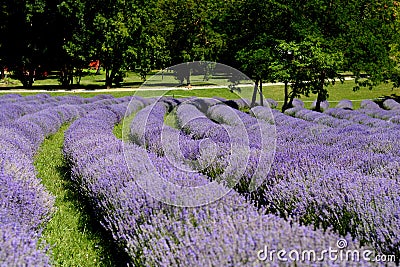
column 382, row 99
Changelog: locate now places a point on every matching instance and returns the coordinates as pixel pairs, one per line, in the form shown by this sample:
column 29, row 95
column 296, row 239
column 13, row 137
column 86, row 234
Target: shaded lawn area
column 337, row 92
column 75, row 238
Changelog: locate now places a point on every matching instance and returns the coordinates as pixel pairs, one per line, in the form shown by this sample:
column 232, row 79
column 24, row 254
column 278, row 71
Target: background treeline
column 306, row 44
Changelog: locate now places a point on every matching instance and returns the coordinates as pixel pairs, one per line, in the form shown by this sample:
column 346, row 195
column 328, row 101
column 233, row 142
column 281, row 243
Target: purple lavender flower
column 229, row 231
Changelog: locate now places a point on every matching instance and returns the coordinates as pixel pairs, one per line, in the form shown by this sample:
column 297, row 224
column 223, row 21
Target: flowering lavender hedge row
column 297, row 103
column 357, row 117
column 374, row 144
column 223, row 153
column 227, row 232
column 391, row 104
column 25, row 205
column 324, row 105
column 14, row 107
column 376, row 139
column 334, row 178
column 199, row 126
column 350, row 210
column 318, row 150
column 313, row 116
column 373, row 110
column 345, row 104
column 257, row 143
column 294, row 129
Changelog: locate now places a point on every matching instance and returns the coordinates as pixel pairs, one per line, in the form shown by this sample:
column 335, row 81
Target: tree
column 77, row 38
column 152, row 47
column 115, row 28
column 22, row 51
column 192, row 30
column 307, row 44
column 257, row 63
column 309, row 68
column 253, row 37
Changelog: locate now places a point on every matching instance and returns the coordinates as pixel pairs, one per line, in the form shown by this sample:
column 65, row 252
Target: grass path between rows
column 74, row 239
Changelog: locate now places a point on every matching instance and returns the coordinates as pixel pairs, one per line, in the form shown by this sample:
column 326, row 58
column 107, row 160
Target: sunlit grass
column 337, row 92
column 73, row 237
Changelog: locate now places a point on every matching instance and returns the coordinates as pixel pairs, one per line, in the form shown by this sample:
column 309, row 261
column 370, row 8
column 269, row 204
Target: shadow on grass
column 54, row 88
column 381, row 99
column 113, row 256
column 131, row 84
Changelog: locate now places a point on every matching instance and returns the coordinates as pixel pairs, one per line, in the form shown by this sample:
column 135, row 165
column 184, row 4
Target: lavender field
column 209, row 182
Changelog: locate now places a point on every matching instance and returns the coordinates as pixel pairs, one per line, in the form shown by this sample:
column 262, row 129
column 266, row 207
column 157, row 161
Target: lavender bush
column 391, row 104
column 25, row 205
column 227, row 232
column 345, row 104
column 205, row 193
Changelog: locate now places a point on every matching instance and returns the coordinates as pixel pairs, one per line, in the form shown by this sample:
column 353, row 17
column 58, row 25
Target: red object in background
column 94, row 65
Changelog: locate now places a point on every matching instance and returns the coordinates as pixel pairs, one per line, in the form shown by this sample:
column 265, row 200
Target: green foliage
column 371, row 33
column 23, row 51
column 309, row 43
column 191, row 29
column 74, row 239
column 273, row 40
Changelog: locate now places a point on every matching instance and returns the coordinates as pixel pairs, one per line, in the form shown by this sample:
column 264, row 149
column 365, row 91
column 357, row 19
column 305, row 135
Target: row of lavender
column 379, row 136
column 13, row 106
column 120, row 225
column 373, row 151
column 369, row 113
column 320, row 175
column 25, row 205
column 205, row 145
column 226, row 232
column 359, row 175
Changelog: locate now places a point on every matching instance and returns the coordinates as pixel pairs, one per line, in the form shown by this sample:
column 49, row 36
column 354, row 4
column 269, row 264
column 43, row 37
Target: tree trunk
column 108, row 79
column 79, row 76
column 27, row 77
column 253, row 99
column 188, row 78
column 66, row 76
column 285, row 103
column 70, row 79
column 318, row 104
column 321, row 93
column 261, row 94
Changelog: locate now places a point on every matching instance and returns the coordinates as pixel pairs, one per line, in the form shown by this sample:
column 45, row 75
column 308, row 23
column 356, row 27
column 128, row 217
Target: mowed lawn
column 90, row 83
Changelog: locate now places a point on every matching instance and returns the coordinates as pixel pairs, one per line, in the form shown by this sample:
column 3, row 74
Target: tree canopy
column 305, row 44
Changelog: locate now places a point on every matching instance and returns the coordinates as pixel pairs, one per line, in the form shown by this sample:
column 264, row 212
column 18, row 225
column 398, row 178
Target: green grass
column 336, row 93
column 345, row 91
column 171, row 119
column 89, row 80
column 117, row 131
column 219, row 92
column 74, row 239
column 121, row 129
